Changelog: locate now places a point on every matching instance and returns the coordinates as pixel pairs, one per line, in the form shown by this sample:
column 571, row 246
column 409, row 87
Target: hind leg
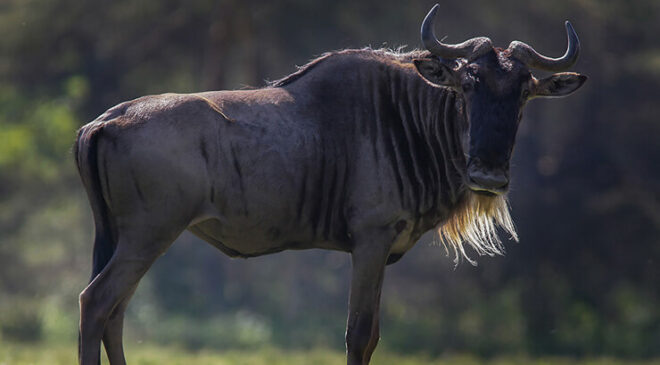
column 109, row 292
column 112, row 335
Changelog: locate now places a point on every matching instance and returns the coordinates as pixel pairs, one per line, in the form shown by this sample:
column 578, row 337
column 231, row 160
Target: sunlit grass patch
column 150, row 354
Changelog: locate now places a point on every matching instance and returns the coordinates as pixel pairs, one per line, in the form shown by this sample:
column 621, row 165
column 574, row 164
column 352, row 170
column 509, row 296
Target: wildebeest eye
column 525, row 94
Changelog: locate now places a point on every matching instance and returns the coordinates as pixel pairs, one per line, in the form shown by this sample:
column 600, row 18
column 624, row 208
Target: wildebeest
column 360, row 151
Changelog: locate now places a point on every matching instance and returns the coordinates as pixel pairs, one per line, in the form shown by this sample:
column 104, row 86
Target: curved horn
column 469, row 49
column 530, row 57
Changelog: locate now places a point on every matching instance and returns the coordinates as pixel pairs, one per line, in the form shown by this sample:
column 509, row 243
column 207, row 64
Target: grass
column 56, row 354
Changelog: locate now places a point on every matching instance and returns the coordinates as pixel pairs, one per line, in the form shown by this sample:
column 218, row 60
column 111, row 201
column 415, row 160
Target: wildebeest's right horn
column 529, row 56
column 469, row 49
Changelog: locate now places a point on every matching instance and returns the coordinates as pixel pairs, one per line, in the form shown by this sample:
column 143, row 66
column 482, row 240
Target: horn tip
column 568, row 25
column 433, row 10
column 427, row 32
column 569, row 28
column 571, row 33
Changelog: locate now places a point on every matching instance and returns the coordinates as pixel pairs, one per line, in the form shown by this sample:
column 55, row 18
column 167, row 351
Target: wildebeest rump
column 359, row 151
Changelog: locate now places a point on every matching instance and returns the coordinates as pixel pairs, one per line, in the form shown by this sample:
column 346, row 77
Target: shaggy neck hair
column 475, row 217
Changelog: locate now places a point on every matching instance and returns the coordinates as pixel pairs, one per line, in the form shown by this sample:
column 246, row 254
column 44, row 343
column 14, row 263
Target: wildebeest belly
column 245, row 239
column 271, row 191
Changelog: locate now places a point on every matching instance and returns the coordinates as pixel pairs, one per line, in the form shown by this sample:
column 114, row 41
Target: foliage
column 582, row 282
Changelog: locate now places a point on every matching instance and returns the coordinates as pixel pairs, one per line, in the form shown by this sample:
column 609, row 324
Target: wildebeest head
column 495, row 85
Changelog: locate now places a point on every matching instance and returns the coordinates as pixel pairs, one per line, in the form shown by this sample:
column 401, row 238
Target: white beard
column 475, row 222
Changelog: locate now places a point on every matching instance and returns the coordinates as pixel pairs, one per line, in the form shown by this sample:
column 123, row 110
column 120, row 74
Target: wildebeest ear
column 434, row 71
column 560, row 84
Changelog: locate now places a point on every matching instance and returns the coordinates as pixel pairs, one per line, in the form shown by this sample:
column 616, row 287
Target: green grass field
column 50, row 354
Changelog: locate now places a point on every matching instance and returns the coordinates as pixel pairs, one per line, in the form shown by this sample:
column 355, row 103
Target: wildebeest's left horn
column 471, row 48
column 529, row 56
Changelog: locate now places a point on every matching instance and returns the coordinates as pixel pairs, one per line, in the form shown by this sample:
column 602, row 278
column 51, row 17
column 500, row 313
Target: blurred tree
column 586, row 199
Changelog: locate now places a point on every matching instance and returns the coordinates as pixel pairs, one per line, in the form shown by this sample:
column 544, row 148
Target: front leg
column 362, row 334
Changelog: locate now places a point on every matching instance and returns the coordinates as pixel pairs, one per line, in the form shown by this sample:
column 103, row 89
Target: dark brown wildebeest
column 360, row 151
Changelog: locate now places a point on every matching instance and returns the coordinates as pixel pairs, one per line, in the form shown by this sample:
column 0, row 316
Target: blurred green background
column 583, row 282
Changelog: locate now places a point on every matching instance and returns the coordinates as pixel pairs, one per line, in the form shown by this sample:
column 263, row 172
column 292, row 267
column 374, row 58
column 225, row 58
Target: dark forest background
column 584, row 279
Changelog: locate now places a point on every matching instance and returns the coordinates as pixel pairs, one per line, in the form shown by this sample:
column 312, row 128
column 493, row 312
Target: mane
column 385, row 54
column 476, row 218
column 475, row 222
